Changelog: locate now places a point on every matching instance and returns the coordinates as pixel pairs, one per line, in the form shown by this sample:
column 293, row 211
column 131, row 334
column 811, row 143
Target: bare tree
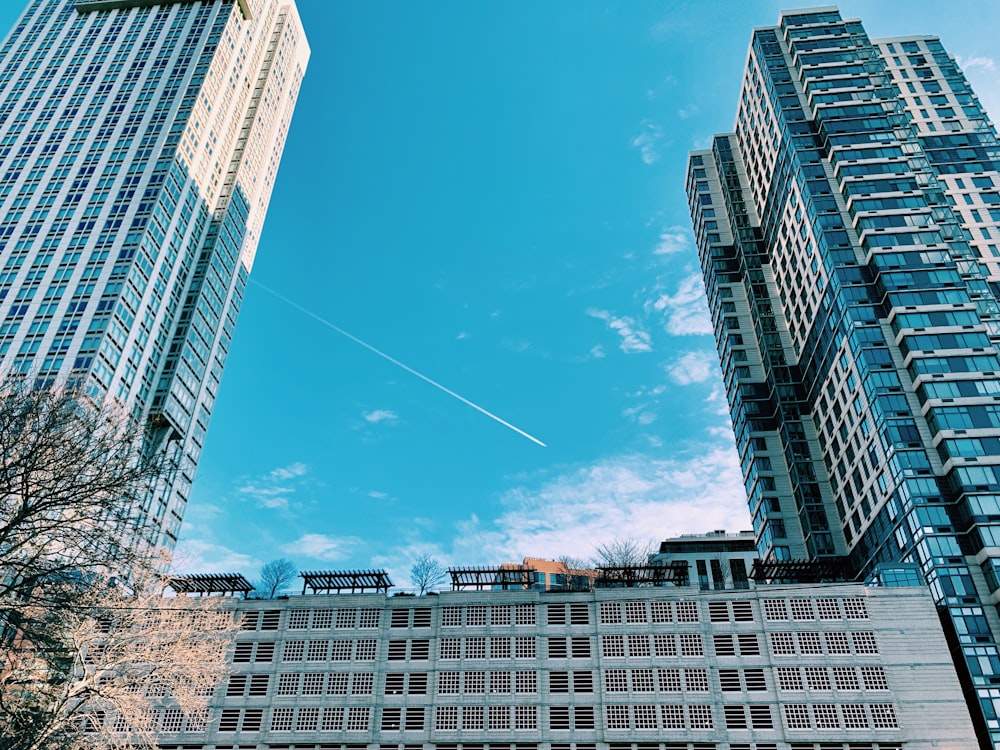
column 580, row 573
column 426, row 573
column 83, row 631
column 119, row 664
column 274, row 577
column 624, row 552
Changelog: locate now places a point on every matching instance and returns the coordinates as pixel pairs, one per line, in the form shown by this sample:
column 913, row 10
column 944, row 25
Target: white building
column 834, row 666
column 139, row 143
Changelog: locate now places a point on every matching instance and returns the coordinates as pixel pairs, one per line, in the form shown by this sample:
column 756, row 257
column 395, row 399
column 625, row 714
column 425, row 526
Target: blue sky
column 492, row 193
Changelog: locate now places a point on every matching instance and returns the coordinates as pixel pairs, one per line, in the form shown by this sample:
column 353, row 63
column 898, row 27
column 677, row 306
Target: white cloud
column 676, row 239
column 634, row 339
column 647, row 142
column 630, row 495
column 689, row 111
column 597, row 352
column 686, row 311
column 462, row 335
column 376, row 495
column 274, row 489
column 979, row 61
column 203, row 556
column 322, row 547
column 380, row 415
column 693, row 367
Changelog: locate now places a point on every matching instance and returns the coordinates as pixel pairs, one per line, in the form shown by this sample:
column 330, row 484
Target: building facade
column 848, row 234
column 715, row 560
column 139, row 142
column 671, row 668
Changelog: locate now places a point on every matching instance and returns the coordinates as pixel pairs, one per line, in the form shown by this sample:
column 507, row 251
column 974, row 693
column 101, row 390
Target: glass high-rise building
column 139, row 142
column 849, row 234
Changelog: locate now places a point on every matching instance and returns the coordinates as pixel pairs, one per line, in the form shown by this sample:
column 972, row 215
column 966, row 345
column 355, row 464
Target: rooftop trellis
column 211, row 583
column 503, row 578
column 339, row 581
column 628, row 576
column 800, row 571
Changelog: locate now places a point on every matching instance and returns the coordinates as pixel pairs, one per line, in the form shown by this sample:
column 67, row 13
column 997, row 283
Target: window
column 243, row 652
column 313, row 683
column 317, row 651
column 760, row 716
column 499, row 682
column 368, row 618
column 499, row 648
column 362, row 683
column 735, row 716
column 524, row 614
column 845, row 678
column 500, row 614
column 696, row 680
column 789, row 678
column 635, row 612
column 809, row 643
column 448, row 683
column 422, row 617
column 557, row 648
column 645, row 717
column 237, row 684
column 642, row 680
column 475, row 682
column 700, row 717
column 346, row 618
column 580, row 647
column 612, row 645
column 748, row 643
column 340, row 650
column 661, row 611
column 397, row 649
column 724, row 645
column 583, row 718
column 742, row 612
column 610, row 612
column 420, row 649
column 884, row 716
column 556, row 614
column 499, row 717
column 687, row 611
column 450, row 648
column 782, row 644
column 802, row 609
column 451, row 617
column 579, row 614
column 293, row 651
column 446, row 717
column 616, row 717
column 854, row 716
column 281, row 720
column 668, row 680
column 729, row 680
column 616, row 680
column 583, row 681
column 774, row 610
column 524, row 647
column 298, row 619
column 414, row 719
column 394, row 683
column 559, row 717
column 358, row 718
column 672, row 716
column 392, row 718
column 664, row 644
column 836, row 643
column 826, row 716
column 472, row 717
column 691, row 644
column 365, row 650
column 475, row 615
column 418, row 683
column 400, row 618
column 307, row 720
column 526, row 682
column 475, row 648
column 864, row 642
column 333, row 719
column 753, row 680
column 855, row 609
column 525, row 717
column 829, row 609
column 874, row 678
column 817, row 678
column 796, row 715
column 336, row 683
column 638, row 645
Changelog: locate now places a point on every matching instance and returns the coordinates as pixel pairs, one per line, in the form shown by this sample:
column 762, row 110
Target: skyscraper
column 139, row 142
column 848, row 232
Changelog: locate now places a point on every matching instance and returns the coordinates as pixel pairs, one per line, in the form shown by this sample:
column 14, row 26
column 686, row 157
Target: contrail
column 396, row 362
